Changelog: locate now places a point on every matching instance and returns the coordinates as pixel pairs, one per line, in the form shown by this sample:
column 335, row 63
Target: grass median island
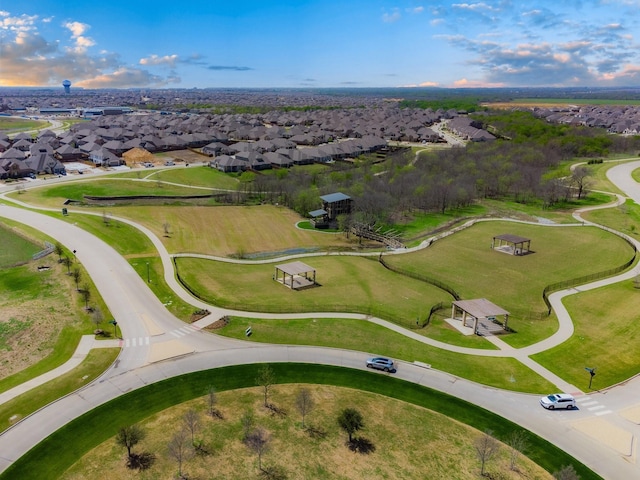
column 97, row 361
column 505, row 373
column 409, row 441
column 155, row 281
column 52, row 457
column 466, row 262
column 605, row 338
column 346, row 284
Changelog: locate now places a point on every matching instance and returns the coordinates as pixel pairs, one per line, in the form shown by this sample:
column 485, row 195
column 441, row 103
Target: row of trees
column 186, row 442
column 523, row 168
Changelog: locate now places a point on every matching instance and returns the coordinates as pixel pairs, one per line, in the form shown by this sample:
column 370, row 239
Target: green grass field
column 347, row 284
column 233, row 230
column 9, row 125
column 97, row 361
column 359, row 335
column 52, row 457
column 606, row 332
column 56, row 195
column 194, row 177
column 466, row 262
column 15, row 247
column 388, row 424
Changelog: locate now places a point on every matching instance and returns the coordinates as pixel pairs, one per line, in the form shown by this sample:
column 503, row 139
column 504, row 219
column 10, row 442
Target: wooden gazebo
column 478, row 310
column 512, row 244
column 295, row 275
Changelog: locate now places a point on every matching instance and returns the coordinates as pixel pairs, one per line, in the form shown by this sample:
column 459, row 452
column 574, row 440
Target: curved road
column 159, row 346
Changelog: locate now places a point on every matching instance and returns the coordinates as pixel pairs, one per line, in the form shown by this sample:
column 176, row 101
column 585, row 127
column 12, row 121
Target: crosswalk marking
column 140, row 341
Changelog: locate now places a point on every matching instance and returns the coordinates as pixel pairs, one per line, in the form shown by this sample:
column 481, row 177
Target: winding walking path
column 159, row 346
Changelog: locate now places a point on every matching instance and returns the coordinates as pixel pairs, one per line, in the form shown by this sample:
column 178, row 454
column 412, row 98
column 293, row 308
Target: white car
column 558, row 400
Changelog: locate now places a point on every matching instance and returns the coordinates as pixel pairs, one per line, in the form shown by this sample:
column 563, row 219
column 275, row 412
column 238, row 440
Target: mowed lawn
column 466, row 262
column 347, row 284
column 396, row 429
column 193, row 176
column 232, row 230
column 606, row 336
column 55, row 196
column 15, row 248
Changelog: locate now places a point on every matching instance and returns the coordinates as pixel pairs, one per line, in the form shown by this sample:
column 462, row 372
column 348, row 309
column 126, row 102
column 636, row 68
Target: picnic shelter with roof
column 295, row 275
column 511, row 244
column 482, row 313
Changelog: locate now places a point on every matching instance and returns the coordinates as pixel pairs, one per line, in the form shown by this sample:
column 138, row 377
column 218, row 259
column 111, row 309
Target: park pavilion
column 295, row 275
column 511, row 244
column 482, row 313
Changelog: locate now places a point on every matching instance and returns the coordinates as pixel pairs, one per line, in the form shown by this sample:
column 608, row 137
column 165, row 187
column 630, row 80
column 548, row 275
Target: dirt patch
column 198, row 314
column 218, row 324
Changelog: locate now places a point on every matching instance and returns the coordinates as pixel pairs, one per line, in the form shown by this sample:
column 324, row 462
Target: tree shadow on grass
column 361, row 445
column 142, row 461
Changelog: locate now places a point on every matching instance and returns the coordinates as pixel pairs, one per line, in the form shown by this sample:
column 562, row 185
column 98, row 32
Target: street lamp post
column 115, row 327
column 148, row 279
column 592, row 373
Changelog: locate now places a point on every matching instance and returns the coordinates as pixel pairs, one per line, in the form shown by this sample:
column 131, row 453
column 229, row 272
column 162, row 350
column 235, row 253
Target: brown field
column 409, row 441
column 232, row 230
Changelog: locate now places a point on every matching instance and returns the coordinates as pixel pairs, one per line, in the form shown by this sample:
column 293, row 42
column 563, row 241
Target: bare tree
column 166, row 227
column 567, row 473
column 519, row 444
column 486, row 448
column 97, row 317
column 258, row 442
column 580, row 179
column 212, row 401
column 76, row 274
column 266, row 378
column 179, row 450
column 191, row 421
column 105, row 218
column 247, row 420
column 129, row 437
column 304, row 402
column 86, row 295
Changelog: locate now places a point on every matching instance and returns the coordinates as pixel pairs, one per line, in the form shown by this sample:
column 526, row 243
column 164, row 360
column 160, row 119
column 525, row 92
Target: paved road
column 600, row 433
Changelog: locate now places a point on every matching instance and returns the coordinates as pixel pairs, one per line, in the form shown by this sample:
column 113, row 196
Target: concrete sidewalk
column 87, row 342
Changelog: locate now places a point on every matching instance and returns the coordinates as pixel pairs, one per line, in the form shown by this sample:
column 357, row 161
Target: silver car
column 381, row 363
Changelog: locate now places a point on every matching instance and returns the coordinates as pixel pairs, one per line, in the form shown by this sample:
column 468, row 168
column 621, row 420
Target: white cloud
column 76, row 28
column 391, row 17
column 125, row 78
column 154, row 60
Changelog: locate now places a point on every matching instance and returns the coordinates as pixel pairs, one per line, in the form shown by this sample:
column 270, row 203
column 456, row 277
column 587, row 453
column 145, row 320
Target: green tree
column 266, row 378
column 76, row 274
column 566, row 473
column 57, row 248
column 350, row 420
column 129, row 437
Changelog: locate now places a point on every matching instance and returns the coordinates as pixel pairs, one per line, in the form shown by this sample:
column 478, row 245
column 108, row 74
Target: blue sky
column 313, row 43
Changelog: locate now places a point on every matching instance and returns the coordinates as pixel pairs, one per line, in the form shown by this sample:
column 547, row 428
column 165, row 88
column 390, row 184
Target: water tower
column 67, row 86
